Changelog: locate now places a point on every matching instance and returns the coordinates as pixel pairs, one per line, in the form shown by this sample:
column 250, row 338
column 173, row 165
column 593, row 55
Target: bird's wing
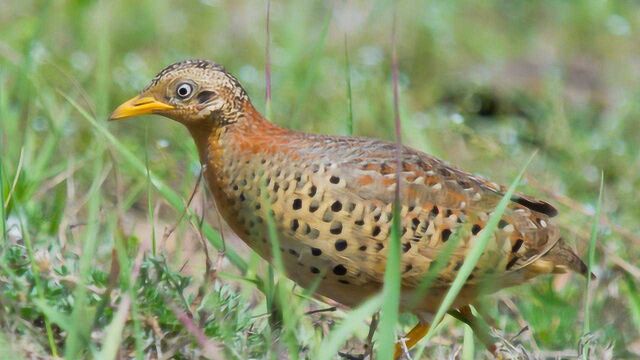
column 437, row 201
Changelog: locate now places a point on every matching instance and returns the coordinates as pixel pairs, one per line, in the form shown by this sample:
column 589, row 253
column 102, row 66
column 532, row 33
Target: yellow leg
column 412, row 338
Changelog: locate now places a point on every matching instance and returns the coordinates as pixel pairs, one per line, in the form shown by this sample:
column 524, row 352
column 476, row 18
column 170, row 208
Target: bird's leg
column 479, row 327
column 412, row 338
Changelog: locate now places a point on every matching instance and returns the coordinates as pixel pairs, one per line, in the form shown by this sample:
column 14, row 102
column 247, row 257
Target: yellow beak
column 139, row 106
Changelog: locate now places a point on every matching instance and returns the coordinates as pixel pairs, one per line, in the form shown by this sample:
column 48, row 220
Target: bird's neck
column 248, row 133
column 228, row 153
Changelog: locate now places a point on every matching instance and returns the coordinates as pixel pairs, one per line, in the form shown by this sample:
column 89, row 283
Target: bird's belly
column 314, row 262
column 309, row 256
column 314, row 268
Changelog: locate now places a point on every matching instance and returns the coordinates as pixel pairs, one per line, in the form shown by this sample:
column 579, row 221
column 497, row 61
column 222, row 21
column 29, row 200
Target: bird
column 331, row 201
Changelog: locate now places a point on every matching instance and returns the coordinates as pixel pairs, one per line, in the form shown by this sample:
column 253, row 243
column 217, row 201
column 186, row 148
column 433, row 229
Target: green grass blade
column 476, row 250
column 633, row 296
column 149, row 192
column 80, row 317
column 347, row 75
column 137, row 327
column 16, row 177
column 311, row 74
column 3, row 220
column 434, row 269
column 391, row 292
column 339, row 335
column 467, row 344
column 103, row 76
column 115, row 329
column 586, row 328
column 272, row 232
column 130, row 283
column 58, row 318
column 267, row 63
column 277, row 295
column 39, row 288
column 392, row 278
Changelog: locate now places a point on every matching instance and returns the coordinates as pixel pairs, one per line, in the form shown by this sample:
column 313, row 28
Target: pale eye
column 184, row 90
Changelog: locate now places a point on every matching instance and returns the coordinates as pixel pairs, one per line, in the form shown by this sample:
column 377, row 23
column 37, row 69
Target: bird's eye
column 184, row 90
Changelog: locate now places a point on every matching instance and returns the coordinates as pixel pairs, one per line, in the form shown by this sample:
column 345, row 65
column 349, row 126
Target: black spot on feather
column 512, row 262
column 517, row 245
column 536, row 205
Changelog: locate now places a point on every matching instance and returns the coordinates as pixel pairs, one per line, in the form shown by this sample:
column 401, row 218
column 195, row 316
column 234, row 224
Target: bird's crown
column 188, row 64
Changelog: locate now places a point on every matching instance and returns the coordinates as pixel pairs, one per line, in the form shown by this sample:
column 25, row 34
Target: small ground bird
column 331, row 200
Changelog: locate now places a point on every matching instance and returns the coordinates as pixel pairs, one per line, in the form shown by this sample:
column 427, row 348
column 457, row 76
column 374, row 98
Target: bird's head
column 191, row 92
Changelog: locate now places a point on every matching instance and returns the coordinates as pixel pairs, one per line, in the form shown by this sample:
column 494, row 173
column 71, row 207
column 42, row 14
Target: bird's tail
column 561, row 258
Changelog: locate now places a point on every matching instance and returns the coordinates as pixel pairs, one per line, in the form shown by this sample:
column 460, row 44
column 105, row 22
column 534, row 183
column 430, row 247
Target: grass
column 483, row 85
column 467, row 344
column 392, row 276
column 347, row 75
column 586, row 328
column 40, row 293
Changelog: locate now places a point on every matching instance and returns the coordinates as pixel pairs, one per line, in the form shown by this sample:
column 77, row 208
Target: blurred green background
column 482, row 85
